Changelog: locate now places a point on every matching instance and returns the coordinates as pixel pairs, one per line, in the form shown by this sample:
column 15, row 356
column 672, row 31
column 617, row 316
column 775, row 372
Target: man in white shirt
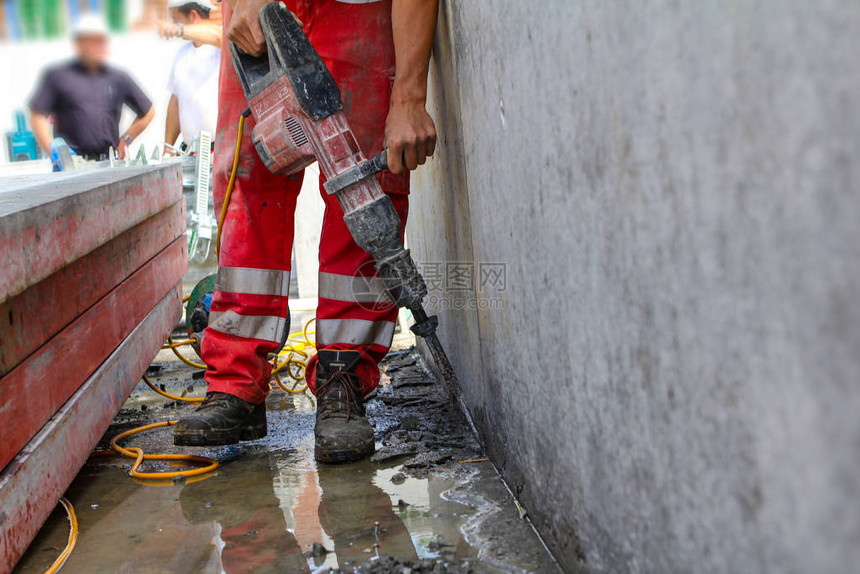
column 193, row 82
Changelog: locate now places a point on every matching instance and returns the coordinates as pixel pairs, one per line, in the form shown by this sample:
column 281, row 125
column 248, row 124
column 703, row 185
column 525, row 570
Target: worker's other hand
column 244, row 29
column 121, row 149
column 410, row 136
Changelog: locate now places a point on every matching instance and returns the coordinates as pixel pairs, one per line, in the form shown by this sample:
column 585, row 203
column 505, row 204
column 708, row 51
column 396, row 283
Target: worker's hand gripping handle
column 256, row 72
column 291, row 55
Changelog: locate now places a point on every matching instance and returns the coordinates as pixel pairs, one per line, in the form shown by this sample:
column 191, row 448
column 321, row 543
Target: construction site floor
column 413, row 507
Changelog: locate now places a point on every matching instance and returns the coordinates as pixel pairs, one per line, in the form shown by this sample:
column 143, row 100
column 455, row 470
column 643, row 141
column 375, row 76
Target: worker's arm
column 410, row 134
column 41, row 126
column 42, row 105
column 204, row 33
column 134, row 130
column 141, row 105
column 172, row 127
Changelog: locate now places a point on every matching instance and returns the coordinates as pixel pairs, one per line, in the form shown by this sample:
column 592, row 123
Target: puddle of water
column 261, row 512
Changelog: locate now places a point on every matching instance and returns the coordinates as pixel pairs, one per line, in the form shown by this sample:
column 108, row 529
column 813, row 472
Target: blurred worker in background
column 197, row 22
column 85, row 96
column 193, row 82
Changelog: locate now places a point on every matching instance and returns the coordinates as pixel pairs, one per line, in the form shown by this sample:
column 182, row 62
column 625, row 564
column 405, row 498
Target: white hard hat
column 90, row 24
column 181, row 3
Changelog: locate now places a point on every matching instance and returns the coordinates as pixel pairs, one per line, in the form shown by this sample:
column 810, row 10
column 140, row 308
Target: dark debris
column 427, row 428
column 389, row 564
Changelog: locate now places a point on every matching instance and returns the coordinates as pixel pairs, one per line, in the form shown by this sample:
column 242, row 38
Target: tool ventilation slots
column 297, row 134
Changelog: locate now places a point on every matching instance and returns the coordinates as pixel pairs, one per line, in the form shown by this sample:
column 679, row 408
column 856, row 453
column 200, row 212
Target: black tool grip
column 353, row 175
column 379, row 162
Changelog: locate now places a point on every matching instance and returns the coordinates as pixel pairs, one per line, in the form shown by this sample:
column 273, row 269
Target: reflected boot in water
column 350, row 504
column 219, row 420
column 342, row 433
column 241, row 500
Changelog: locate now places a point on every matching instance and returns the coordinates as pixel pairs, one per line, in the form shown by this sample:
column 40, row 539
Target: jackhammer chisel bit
column 299, row 119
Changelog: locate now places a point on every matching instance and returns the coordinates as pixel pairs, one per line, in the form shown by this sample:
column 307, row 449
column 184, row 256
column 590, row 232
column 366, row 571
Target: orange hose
column 73, row 537
column 139, row 456
column 169, row 396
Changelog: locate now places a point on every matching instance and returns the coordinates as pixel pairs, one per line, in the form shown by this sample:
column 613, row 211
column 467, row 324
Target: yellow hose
column 174, row 347
column 169, row 396
column 287, row 389
column 230, row 185
column 179, row 343
column 139, row 456
column 73, row 537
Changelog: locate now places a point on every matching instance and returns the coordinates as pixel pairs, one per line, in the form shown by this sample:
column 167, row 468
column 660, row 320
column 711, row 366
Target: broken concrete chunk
column 409, row 423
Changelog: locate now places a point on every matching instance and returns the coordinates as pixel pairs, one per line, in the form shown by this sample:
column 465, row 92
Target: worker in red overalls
column 359, row 41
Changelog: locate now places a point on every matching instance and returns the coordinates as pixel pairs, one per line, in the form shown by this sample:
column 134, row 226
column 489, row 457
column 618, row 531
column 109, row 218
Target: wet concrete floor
column 271, row 508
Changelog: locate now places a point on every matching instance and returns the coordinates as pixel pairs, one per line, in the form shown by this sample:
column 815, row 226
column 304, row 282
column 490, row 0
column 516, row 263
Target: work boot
column 221, row 419
column 342, row 433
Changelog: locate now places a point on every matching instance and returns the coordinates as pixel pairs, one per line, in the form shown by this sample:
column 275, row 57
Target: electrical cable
column 175, row 348
column 73, row 537
column 169, row 396
column 139, row 456
column 179, row 343
column 231, row 182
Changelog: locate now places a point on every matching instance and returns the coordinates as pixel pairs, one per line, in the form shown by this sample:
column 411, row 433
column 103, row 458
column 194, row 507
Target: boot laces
column 346, row 381
column 215, row 400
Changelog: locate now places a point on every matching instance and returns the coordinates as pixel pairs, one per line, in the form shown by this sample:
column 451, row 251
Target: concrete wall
column 674, row 189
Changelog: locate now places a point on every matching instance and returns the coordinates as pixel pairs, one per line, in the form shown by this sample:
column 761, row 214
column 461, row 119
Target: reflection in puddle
column 263, row 511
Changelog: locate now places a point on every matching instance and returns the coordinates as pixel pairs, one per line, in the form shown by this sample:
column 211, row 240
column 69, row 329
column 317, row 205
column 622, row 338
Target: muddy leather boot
column 221, row 419
column 342, row 433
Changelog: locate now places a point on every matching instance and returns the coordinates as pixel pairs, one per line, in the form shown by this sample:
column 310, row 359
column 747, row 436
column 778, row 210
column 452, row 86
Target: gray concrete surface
column 672, row 187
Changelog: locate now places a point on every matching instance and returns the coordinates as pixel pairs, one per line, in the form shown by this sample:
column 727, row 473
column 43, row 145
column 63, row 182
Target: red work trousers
column 249, row 316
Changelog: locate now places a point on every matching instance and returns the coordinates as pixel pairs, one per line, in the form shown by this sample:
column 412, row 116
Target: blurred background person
column 85, row 97
column 197, row 22
column 193, row 82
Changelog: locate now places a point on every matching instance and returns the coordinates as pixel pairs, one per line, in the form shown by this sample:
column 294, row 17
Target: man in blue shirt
column 85, row 98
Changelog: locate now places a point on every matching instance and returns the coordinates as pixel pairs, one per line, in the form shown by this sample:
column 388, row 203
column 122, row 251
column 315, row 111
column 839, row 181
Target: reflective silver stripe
column 353, row 289
column 253, row 281
column 263, row 327
column 355, row 332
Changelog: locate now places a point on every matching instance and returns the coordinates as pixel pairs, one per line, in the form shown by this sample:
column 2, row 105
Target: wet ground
column 414, row 507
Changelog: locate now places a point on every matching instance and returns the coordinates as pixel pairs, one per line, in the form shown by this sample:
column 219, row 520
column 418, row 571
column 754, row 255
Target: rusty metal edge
column 31, row 485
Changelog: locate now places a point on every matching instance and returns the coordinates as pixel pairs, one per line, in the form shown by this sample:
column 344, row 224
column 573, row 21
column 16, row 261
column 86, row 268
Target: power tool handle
column 353, row 175
column 379, row 162
column 289, row 55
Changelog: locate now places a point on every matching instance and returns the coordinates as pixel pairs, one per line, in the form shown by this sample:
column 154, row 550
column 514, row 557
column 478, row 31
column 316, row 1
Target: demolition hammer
column 299, row 119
